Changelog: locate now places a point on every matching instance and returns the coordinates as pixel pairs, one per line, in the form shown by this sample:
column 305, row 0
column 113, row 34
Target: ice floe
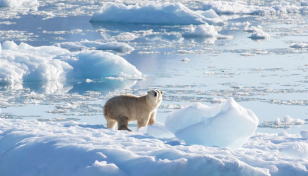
column 224, row 125
column 23, row 62
column 150, row 13
column 95, row 150
column 115, row 46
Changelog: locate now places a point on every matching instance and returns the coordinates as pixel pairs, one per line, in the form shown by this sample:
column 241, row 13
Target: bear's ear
column 149, row 91
column 161, row 92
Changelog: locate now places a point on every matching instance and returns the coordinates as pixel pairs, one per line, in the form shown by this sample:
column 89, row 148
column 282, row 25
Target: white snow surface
column 30, row 147
column 19, row 3
column 23, row 62
column 224, row 125
column 225, row 7
column 116, row 46
column 151, row 13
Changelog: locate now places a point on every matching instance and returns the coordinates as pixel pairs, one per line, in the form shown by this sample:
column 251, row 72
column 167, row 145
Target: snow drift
column 151, row 13
column 224, row 125
column 23, row 62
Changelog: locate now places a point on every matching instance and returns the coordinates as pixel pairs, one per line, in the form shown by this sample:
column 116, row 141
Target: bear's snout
column 155, row 94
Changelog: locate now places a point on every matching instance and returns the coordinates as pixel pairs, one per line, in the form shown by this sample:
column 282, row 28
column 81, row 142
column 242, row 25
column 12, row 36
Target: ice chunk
column 296, row 149
column 209, row 13
column 224, row 125
column 205, row 30
column 97, row 64
column 150, row 13
column 23, row 62
column 259, row 34
column 299, row 45
column 159, row 130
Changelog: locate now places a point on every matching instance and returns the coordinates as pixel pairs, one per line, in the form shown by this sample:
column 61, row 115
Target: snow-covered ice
column 224, row 125
column 151, row 13
column 74, row 148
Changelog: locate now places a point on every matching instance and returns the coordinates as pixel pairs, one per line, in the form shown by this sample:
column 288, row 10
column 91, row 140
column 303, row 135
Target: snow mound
column 204, row 31
column 224, row 125
column 72, row 148
column 116, row 46
column 296, row 149
column 224, row 7
column 19, row 63
column 150, row 13
column 19, row 3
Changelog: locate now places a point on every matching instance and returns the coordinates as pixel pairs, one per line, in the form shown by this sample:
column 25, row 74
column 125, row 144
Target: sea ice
column 150, row 13
column 224, row 125
column 225, row 7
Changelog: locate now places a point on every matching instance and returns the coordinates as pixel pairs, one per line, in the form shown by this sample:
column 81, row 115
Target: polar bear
column 126, row 108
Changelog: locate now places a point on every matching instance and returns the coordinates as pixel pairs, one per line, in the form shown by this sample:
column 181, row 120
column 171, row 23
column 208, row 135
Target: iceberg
column 150, row 13
column 224, row 125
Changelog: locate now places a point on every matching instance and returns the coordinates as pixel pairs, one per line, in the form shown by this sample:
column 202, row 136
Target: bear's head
column 155, row 96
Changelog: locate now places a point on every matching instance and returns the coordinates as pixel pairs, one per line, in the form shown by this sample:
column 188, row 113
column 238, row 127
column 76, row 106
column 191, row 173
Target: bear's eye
column 155, row 94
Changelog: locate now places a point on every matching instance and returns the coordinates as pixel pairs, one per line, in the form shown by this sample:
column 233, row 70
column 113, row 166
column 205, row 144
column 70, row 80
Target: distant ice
column 19, row 3
column 205, row 31
column 224, row 125
column 225, row 7
column 299, row 45
column 257, row 33
column 19, row 63
column 150, row 13
column 116, row 46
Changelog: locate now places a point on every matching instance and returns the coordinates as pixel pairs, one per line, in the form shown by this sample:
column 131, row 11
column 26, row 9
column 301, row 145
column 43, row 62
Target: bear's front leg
column 143, row 120
column 152, row 118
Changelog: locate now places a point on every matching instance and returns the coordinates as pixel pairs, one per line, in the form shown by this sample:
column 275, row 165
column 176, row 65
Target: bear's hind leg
column 111, row 123
column 123, row 123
